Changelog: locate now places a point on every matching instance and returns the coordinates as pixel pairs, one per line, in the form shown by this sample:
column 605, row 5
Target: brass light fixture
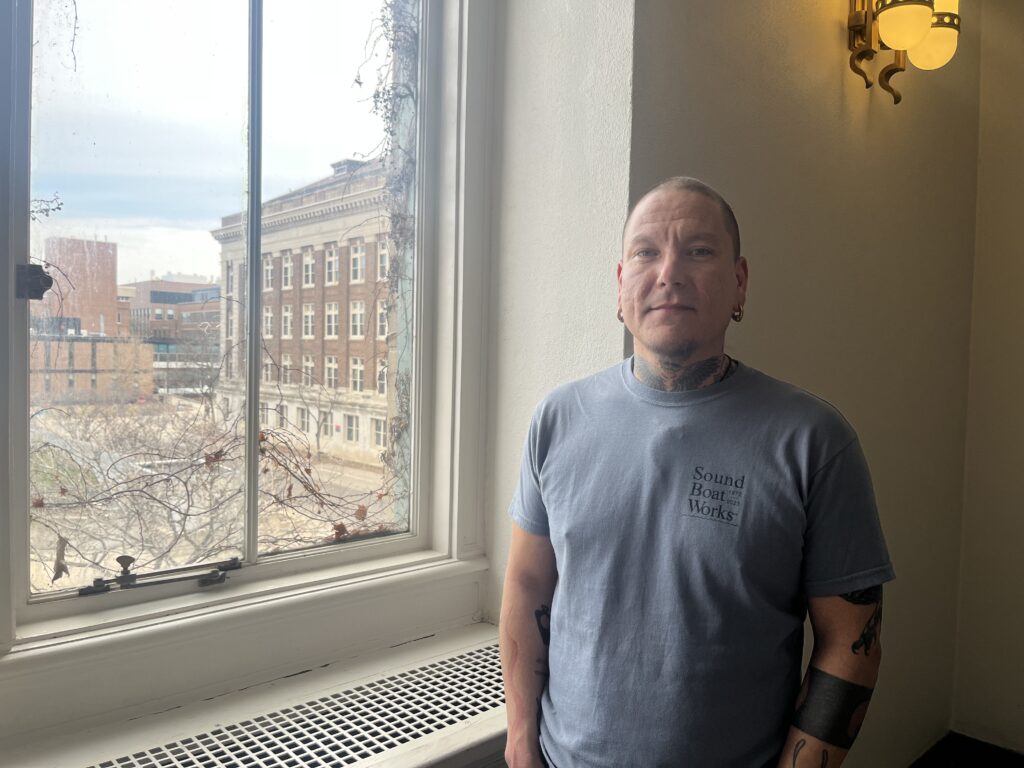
column 925, row 31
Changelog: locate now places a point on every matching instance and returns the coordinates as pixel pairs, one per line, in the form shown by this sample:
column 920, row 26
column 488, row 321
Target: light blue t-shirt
column 689, row 528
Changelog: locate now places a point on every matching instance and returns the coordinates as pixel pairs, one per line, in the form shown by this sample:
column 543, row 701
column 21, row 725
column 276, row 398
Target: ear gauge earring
column 737, row 314
column 618, row 314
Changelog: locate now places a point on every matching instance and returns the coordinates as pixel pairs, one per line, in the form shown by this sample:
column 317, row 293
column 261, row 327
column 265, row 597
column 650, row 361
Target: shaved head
column 695, row 185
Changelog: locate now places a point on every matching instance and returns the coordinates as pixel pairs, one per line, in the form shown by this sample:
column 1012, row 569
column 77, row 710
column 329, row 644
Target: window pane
column 135, row 437
column 338, row 170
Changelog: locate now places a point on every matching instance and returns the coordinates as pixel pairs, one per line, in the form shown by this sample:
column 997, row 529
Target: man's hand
column 524, row 632
column 840, row 679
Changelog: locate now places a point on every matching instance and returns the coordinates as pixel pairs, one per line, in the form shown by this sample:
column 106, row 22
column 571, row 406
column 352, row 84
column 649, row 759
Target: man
column 676, row 518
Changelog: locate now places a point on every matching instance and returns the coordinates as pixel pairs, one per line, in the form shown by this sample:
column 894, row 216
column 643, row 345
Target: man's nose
column 672, row 270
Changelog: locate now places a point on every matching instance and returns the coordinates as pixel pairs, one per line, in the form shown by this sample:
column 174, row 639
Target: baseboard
column 955, row 750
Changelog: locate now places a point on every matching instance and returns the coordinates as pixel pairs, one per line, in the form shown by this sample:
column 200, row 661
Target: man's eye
column 645, row 253
column 701, row 251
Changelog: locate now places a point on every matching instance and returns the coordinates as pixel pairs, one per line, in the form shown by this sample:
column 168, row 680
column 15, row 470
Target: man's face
column 678, row 279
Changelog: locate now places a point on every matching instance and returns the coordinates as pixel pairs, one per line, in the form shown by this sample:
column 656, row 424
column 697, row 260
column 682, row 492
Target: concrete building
column 324, row 317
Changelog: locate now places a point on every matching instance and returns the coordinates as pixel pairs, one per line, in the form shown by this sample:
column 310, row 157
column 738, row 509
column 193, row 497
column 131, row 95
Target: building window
column 331, row 264
column 382, row 319
column 327, row 424
column 286, row 321
column 331, row 371
column 357, row 319
column 383, row 260
column 268, row 322
column 331, row 320
column 286, row 369
column 303, row 415
column 158, row 313
column 229, row 278
column 268, row 372
column 307, row 321
column 264, row 413
column 352, row 428
column 308, row 368
column 380, row 432
column 356, row 370
column 170, row 316
column 286, row 270
column 357, row 260
column 229, row 324
column 382, row 380
column 308, row 265
column 268, row 272
column 282, row 415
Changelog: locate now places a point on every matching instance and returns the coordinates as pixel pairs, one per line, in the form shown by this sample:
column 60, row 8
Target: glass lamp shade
column 902, row 24
column 939, row 46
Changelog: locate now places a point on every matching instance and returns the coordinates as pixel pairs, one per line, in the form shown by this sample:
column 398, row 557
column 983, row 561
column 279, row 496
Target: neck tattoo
column 669, row 375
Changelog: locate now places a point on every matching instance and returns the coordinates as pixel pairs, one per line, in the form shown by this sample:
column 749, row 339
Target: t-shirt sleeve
column 844, row 548
column 527, row 508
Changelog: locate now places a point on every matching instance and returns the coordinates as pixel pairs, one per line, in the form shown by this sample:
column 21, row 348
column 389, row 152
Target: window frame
column 352, row 320
column 433, row 578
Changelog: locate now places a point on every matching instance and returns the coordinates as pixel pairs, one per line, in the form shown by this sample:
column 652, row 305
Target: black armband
column 833, row 710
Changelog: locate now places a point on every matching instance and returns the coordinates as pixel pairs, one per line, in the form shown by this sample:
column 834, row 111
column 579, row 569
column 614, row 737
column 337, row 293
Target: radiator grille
column 345, row 727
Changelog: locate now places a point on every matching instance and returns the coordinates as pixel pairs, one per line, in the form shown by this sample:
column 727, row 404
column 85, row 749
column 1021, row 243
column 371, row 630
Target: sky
column 139, row 120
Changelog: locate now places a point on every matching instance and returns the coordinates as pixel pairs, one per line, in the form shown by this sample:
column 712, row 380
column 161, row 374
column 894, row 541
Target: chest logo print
column 715, row 496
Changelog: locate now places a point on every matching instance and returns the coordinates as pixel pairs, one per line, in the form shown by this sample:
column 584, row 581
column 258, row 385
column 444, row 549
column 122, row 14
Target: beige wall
column 858, row 218
column 989, row 692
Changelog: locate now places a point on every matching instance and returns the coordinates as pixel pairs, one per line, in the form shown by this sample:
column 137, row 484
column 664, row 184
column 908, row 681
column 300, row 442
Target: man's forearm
column 524, row 635
column 836, row 690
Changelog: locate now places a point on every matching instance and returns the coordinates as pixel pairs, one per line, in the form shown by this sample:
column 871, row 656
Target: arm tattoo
column 797, row 749
column 544, row 623
column 833, row 709
column 869, row 635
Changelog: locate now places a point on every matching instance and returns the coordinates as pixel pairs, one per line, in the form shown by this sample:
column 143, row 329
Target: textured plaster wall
column 989, row 693
column 562, row 121
column 858, row 221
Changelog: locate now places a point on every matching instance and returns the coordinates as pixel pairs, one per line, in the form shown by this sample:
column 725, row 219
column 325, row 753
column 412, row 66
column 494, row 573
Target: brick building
column 324, row 318
column 79, row 352
column 180, row 320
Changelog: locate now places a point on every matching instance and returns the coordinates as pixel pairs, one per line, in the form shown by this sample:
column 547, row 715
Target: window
column 357, row 319
column 382, row 319
column 268, row 372
column 286, row 369
column 308, row 369
column 327, row 424
column 383, row 260
column 264, row 413
column 268, row 272
column 282, row 415
column 268, row 322
column 303, row 414
column 351, row 428
column 308, row 265
column 331, row 263
column 382, row 380
column 357, row 258
column 331, row 371
column 158, row 313
column 170, row 316
column 243, row 521
column 380, row 432
column 356, row 369
column 331, row 320
column 307, row 321
column 286, row 321
column 286, row 270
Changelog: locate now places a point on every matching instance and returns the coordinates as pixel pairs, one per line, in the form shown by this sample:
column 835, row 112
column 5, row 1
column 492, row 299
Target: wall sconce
column 925, row 31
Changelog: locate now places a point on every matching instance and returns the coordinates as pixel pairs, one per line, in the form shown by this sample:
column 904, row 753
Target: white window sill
column 148, row 727
column 194, row 648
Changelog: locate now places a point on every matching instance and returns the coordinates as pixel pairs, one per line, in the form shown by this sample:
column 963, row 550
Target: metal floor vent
column 345, row 727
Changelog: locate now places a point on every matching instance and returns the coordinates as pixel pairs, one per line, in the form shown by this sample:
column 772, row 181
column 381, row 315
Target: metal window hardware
column 31, row 281
column 128, row 580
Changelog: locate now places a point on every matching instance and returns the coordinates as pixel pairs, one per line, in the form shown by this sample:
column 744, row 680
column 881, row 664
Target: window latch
column 128, row 580
column 31, row 281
